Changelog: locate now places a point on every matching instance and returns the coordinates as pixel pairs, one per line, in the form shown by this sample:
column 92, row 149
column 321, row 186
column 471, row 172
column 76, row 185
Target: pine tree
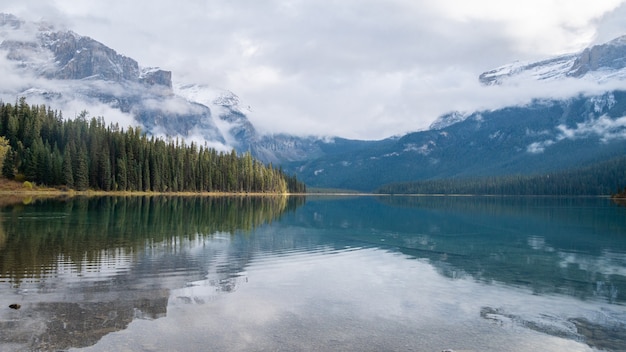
column 8, row 166
column 82, row 154
column 67, row 170
column 121, row 177
column 81, row 169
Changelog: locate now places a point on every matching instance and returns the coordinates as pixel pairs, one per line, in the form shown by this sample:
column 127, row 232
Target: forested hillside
column 42, row 147
column 604, row 178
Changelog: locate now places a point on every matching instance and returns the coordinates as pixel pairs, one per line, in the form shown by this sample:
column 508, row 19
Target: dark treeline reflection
column 33, row 237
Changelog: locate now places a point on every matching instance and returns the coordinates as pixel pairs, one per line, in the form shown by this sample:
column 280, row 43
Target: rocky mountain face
column 62, row 66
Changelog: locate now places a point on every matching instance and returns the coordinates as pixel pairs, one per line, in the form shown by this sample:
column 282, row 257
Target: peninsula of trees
column 40, row 146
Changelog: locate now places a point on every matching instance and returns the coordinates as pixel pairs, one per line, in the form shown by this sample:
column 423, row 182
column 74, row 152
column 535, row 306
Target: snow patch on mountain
column 231, row 119
column 550, row 69
column 449, row 119
column 598, row 64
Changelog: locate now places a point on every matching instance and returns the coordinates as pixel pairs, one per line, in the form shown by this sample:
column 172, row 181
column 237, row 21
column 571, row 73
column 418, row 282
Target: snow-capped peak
column 599, row 63
column 211, row 97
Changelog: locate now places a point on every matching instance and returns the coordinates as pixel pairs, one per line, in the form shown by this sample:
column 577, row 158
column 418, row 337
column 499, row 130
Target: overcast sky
column 365, row 69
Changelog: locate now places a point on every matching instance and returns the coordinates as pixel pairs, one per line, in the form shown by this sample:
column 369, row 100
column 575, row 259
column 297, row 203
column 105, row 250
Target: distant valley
column 62, row 68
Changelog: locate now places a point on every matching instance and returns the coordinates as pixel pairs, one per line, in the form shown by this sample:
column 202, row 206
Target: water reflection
column 85, row 267
column 573, row 246
column 356, row 273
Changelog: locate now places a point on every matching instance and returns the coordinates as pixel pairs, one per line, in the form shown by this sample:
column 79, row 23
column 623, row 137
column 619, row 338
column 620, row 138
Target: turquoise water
column 325, row 273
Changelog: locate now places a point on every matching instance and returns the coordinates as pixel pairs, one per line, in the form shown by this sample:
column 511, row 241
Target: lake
column 317, row 274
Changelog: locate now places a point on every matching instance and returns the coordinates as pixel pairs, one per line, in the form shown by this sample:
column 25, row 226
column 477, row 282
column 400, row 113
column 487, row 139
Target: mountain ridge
column 540, row 136
column 598, row 63
column 86, row 70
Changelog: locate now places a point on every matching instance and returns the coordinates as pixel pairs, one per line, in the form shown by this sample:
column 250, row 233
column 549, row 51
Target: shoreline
column 16, row 188
column 91, row 193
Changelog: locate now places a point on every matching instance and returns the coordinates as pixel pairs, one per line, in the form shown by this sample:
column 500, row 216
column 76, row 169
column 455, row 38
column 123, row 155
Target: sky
column 365, row 69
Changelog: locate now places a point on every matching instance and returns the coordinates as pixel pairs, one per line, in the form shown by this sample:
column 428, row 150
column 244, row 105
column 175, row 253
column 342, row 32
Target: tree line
column 602, row 178
column 81, row 153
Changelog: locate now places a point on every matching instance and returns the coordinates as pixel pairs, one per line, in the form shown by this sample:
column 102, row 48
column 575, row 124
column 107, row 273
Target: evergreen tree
column 8, row 166
column 67, row 170
column 81, row 169
column 82, row 154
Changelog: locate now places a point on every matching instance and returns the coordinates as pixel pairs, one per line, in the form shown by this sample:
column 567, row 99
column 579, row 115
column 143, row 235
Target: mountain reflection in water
column 85, row 267
column 340, row 273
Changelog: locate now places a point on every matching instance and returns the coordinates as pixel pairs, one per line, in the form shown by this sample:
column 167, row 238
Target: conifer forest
column 42, row 147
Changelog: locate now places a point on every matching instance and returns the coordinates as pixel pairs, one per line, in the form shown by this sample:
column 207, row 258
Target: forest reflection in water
column 351, row 273
column 84, row 267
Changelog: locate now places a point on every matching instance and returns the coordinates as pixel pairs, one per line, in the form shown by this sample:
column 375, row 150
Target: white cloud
column 603, row 127
column 72, row 108
column 358, row 69
column 172, row 105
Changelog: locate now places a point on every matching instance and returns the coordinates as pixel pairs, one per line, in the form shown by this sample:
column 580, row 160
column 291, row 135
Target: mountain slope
column 599, row 63
column 540, row 137
column 63, row 68
column 58, row 67
column 545, row 135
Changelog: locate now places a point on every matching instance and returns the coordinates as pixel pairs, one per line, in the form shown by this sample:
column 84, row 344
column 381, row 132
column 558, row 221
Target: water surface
column 285, row 274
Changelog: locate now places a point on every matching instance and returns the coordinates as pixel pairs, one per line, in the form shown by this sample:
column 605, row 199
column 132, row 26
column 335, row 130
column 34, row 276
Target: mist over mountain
column 545, row 135
column 68, row 71
column 72, row 73
column 540, row 137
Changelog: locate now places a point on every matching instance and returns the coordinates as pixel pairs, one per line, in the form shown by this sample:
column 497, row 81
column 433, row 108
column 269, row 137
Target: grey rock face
column 611, row 55
column 79, row 57
column 158, row 77
column 97, row 73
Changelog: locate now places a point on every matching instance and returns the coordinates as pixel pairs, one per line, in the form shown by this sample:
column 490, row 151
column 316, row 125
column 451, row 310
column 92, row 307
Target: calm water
column 288, row 274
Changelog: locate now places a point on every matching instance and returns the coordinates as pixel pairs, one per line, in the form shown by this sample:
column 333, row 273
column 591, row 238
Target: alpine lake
column 321, row 273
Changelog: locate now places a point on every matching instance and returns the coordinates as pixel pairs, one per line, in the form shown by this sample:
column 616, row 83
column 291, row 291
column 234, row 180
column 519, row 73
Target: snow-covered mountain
column 599, row 63
column 543, row 135
column 231, row 121
column 68, row 71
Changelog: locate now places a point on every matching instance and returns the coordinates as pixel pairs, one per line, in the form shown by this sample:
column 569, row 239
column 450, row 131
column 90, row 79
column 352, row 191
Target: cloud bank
column 362, row 69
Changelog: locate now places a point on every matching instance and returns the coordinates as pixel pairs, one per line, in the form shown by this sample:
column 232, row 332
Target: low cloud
column 357, row 69
column 172, row 105
column 604, row 128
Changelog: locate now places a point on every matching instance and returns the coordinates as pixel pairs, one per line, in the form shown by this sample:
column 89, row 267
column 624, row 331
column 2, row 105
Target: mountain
column 540, row 137
column 61, row 68
column 545, row 135
column 58, row 67
column 599, row 63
